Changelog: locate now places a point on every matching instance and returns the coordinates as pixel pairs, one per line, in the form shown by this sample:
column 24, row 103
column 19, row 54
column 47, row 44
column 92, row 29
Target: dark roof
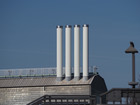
column 40, row 81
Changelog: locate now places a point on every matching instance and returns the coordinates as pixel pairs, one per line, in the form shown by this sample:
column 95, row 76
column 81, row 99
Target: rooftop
column 40, row 81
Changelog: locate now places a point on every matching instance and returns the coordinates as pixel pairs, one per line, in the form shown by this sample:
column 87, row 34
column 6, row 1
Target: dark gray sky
column 28, row 34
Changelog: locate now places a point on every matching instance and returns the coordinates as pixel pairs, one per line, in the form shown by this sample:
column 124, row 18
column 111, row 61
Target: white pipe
column 68, row 52
column 59, row 53
column 76, row 52
column 85, row 51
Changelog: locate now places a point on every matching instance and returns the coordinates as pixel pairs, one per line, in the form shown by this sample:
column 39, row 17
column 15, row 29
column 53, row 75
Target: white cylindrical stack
column 76, row 52
column 85, row 52
column 68, row 52
column 59, row 53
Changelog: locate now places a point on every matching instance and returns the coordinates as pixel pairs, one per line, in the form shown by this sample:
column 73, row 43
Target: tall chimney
column 68, row 52
column 76, row 52
column 85, row 52
column 59, row 53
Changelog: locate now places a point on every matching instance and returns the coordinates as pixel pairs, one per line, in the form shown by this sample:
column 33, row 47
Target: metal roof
column 40, row 81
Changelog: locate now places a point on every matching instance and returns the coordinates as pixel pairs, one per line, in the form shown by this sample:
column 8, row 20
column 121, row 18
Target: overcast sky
column 28, row 34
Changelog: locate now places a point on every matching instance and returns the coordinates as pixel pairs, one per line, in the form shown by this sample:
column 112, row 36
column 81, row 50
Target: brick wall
column 22, row 96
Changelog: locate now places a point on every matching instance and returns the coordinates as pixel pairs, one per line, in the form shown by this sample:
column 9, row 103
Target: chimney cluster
column 68, row 52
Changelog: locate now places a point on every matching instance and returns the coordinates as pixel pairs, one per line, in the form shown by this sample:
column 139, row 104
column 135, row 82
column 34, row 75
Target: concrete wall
column 22, row 96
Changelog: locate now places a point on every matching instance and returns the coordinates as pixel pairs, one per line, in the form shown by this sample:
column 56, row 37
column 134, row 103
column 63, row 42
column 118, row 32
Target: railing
column 65, row 100
column 121, row 96
column 33, row 72
column 27, row 72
